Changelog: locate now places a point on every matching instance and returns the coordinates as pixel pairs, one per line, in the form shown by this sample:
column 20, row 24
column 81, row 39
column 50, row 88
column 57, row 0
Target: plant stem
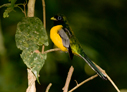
column 44, row 13
column 48, row 87
column 65, row 88
column 31, row 5
column 51, row 50
column 31, row 81
column 78, row 85
column 31, row 77
column 44, row 21
column 103, row 71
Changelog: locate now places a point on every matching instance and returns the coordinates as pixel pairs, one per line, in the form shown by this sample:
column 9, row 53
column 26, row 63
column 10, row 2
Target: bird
column 63, row 37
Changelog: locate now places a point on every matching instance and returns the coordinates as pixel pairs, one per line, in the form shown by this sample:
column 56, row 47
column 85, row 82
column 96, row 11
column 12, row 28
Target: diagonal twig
column 66, row 86
column 48, row 87
column 78, row 85
column 103, row 71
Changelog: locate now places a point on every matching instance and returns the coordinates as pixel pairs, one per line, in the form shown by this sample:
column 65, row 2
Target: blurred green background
column 100, row 26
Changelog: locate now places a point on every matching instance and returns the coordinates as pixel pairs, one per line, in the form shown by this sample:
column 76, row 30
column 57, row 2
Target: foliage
column 30, row 34
column 10, row 7
column 100, row 26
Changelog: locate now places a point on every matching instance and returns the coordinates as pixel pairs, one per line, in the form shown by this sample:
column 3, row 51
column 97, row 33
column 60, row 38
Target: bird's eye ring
column 59, row 18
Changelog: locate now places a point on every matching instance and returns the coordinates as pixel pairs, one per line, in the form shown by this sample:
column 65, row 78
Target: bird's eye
column 59, row 18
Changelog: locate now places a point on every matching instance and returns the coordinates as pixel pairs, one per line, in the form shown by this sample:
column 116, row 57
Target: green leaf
column 34, row 61
column 10, row 7
column 7, row 11
column 30, row 34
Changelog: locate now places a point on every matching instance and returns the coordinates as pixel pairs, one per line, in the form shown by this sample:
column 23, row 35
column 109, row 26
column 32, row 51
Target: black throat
column 58, row 23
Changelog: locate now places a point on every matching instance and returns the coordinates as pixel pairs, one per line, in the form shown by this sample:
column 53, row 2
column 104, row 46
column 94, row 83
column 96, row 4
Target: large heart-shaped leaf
column 30, row 34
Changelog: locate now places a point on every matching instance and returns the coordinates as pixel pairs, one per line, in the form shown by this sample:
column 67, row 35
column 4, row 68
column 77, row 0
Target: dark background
column 101, row 28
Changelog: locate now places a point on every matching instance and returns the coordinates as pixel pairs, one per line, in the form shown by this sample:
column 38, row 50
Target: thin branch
column 44, row 21
column 23, row 10
column 51, row 50
column 78, row 85
column 65, row 88
column 113, row 83
column 76, row 81
column 48, row 87
column 44, row 13
column 103, row 71
column 5, row 5
column 24, row 5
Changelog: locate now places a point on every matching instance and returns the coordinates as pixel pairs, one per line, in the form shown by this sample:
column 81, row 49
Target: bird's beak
column 53, row 18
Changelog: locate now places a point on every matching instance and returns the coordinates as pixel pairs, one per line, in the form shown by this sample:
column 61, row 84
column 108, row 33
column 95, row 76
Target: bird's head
column 59, row 19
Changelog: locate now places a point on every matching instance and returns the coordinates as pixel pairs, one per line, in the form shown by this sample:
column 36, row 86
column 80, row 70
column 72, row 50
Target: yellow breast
column 56, row 39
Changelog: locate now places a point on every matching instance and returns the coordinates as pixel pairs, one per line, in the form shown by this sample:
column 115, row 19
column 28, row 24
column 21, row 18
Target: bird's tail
column 92, row 65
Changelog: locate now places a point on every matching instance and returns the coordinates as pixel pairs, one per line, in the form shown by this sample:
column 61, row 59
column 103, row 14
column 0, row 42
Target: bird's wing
column 66, row 41
column 65, row 38
column 68, row 32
